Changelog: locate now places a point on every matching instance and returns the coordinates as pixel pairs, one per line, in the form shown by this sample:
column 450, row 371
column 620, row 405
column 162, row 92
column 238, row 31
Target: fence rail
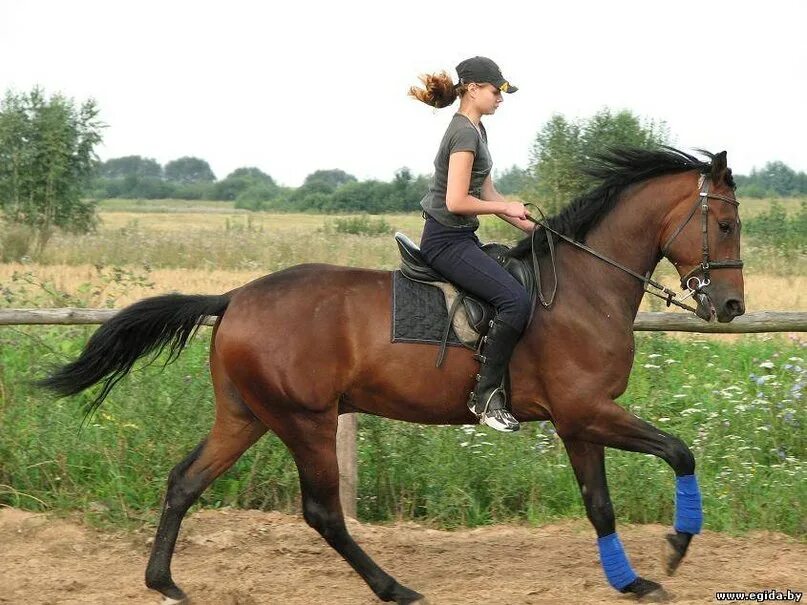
column 761, row 321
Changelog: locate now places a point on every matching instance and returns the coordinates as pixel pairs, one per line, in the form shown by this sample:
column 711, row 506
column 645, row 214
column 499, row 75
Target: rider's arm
column 489, row 193
column 458, row 200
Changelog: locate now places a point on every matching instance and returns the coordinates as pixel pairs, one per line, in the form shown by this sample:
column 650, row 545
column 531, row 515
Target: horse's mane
column 617, row 169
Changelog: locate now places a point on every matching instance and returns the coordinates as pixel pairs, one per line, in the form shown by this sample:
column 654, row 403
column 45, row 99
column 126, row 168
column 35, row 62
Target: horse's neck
column 630, row 234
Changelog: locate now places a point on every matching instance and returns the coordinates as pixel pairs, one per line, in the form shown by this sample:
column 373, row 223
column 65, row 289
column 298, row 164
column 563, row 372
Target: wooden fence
column 762, row 321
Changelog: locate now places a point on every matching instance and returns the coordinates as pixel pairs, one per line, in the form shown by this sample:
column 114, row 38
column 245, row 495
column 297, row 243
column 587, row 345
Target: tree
column 242, row 179
column 189, row 170
column 778, row 178
column 47, row 155
column 130, row 165
column 773, row 179
column 562, row 148
column 606, row 129
column 512, row 181
column 554, row 161
column 256, row 195
column 332, row 179
column 131, row 176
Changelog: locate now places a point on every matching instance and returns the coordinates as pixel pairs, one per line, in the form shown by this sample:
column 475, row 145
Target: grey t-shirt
column 461, row 135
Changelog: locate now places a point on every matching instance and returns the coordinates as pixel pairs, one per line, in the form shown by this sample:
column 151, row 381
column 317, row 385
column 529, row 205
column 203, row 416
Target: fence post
column 346, row 455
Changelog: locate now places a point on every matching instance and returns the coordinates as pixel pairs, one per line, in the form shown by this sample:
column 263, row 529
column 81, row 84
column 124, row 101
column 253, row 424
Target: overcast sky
column 292, row 87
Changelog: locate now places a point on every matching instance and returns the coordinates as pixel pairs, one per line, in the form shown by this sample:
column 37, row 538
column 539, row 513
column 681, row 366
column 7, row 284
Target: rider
column 461, row 189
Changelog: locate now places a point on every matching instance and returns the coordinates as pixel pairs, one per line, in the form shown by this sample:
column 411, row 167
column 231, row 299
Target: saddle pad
column 419, row 312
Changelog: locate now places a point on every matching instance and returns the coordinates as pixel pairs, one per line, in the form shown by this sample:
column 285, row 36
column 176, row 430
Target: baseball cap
column 482, row 69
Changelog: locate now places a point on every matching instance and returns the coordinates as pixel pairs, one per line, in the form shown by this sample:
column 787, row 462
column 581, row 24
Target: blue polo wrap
column 688, row 505
column 615, row 562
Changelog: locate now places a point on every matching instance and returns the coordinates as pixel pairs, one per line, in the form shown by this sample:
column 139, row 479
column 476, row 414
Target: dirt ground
column 235, row 557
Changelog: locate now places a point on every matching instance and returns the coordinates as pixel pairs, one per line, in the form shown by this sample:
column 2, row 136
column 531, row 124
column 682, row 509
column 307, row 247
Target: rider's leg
column 465, row 264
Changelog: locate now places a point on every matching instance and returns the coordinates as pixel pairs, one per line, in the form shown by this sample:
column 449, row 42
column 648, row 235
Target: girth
column 479, row 312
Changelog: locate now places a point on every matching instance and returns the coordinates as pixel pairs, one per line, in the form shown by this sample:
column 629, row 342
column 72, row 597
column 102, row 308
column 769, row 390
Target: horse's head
column 703, row 243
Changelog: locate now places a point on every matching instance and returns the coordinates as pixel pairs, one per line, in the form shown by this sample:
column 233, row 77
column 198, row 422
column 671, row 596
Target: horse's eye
column 725, row 227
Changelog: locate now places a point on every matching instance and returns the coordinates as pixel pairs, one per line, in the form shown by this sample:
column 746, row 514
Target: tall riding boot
column 489, row 399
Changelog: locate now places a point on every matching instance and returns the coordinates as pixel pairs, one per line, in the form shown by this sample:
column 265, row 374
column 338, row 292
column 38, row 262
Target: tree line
column 50, row 176
column 190, row 178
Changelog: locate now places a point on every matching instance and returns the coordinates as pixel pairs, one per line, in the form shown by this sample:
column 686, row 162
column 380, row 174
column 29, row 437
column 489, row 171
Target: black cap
column 482, row 69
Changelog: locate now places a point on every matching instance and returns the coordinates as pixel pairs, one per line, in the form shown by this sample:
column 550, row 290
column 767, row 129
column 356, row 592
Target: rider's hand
column 515, row 210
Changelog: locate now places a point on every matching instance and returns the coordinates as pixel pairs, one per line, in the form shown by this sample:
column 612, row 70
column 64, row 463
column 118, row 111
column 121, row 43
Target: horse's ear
column 720, row 168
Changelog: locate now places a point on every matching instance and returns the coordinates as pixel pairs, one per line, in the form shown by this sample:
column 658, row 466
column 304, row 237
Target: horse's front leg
column 610, row 425
column 588, row 462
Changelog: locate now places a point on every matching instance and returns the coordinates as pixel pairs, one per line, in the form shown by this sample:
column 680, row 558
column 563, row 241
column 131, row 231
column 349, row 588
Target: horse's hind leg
column 588, row 462
column 234, row 431
column 311, row 437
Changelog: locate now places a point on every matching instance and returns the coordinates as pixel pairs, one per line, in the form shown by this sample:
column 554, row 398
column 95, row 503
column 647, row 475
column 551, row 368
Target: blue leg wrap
column 615, row 562
column 688, row 506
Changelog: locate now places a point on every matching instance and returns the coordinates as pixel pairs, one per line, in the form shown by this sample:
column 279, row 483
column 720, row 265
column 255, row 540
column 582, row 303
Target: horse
column 293, row 350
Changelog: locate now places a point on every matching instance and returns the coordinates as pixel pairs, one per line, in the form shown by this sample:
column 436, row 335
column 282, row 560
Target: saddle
column 469, row 316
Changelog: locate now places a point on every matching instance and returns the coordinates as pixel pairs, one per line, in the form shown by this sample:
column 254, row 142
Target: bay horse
column 292, row 350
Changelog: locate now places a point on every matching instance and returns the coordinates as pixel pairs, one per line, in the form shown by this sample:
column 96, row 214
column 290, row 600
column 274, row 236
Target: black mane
column 616, row 169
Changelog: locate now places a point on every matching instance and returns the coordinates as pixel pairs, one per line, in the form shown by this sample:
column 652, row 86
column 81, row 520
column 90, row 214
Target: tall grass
column 740, row 407
column 267, row 242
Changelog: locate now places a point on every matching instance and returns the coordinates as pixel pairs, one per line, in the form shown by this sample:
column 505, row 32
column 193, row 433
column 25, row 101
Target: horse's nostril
column 735, row 307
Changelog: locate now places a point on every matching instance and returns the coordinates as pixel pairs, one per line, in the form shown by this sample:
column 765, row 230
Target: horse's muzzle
column 733, row 307
column 713, row 305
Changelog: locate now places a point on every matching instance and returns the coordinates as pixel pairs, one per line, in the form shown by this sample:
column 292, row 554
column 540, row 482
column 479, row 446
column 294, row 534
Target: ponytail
column 438, row 90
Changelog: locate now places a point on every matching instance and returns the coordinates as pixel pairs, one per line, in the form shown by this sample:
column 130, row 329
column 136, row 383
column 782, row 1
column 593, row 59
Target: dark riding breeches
column 457, row 255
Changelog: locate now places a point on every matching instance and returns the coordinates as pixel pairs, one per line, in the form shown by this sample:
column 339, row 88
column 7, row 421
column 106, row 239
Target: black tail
column 147, row 326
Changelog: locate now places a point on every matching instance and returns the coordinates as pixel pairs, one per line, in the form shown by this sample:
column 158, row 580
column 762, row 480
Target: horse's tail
column 147, row 326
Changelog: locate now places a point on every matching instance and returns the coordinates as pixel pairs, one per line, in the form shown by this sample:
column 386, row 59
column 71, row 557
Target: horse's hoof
column 402, row 596
column 172, row 595
column 409, row 597
column 647, row 591
column 656, row 596
column 677, row 545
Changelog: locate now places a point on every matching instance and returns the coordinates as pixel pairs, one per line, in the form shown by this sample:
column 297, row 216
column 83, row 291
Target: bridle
column 650, row 286
column 706, row 264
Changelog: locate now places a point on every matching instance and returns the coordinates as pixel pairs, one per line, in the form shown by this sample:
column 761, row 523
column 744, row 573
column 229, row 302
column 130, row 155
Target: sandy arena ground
column 235, row 557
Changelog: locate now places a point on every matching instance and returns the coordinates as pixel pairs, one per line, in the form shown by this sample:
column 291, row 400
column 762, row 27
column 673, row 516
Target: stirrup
column 498, row 418
column 501, row 420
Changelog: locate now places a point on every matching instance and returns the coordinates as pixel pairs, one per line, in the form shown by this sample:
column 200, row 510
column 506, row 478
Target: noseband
column 706, row 264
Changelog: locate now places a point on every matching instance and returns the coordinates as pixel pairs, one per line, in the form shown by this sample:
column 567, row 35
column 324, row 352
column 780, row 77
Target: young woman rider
column 460, row 190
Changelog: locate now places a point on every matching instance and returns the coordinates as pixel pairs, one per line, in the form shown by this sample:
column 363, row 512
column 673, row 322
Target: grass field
column 188, row 248
column 739, row 406
column 737, row 401
column 750, row 207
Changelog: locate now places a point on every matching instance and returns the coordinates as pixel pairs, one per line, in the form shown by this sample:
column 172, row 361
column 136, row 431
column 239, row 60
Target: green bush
column 775, row 228
column 358, row 225
column 16, row 241
column 255, row 196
